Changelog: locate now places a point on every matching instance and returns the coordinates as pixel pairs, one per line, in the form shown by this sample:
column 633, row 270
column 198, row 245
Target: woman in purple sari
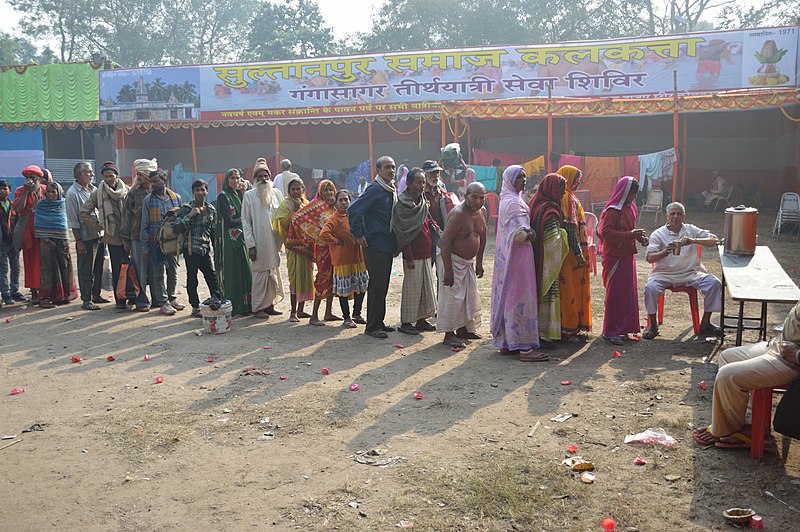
column 618, row 236
column 514, row 313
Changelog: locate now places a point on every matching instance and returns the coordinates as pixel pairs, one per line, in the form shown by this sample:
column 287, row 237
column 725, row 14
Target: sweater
column 336, row 228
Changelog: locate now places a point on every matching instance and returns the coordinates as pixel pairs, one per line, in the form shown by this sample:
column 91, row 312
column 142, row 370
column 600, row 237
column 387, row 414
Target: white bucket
column 217, row 321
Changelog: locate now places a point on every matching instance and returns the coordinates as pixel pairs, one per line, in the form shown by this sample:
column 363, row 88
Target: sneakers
column 8, row 300
column 177, row 306
column 19, row 297
column 167, row 310
column 196, row 312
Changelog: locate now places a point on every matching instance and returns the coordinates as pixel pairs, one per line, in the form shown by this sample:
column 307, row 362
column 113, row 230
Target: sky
column 356, row 16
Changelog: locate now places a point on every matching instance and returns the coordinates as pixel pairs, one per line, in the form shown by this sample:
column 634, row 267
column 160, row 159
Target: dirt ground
column 214, row 447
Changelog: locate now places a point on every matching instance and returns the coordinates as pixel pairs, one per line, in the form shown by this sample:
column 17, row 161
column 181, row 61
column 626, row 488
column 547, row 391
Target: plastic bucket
column 217, row 321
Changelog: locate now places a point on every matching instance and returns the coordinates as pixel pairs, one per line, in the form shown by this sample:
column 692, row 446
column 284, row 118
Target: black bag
column 19, row 231
column 787, row 414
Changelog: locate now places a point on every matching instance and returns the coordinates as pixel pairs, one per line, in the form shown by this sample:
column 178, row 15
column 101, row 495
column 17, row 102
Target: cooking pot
column 740, row 230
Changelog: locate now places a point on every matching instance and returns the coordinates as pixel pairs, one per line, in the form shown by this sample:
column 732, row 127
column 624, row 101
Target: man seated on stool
column 743, row 369
column 673, row 253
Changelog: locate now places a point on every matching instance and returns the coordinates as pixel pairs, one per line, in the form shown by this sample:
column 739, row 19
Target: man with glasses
column 673, row 253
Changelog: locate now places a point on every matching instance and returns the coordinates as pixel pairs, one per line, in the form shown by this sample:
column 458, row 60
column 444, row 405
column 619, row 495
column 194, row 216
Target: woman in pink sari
column 514, row 313
column 618, row 236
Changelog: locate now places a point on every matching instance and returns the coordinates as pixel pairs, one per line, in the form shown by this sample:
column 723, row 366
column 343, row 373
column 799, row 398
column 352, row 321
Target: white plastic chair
column 726, row 196
column 654, row 203
column 788, row 213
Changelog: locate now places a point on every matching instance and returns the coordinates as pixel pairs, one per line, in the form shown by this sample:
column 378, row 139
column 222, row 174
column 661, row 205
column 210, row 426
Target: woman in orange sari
column 305, row 226
column 576, row 302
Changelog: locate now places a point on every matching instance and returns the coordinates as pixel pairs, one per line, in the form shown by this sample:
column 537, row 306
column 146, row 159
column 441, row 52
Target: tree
column 22, row 51
column 291, row 29
column 409, row 24
column 770, row 12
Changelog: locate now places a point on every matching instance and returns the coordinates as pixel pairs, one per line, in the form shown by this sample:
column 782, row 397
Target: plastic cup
column 572, row 449
column 158, row 380
column 354, row 387
column 418, row 395
column 702, row 385
column 283, row 377
column 17, row 391
column 146, row 358
column 325, row 371
column 267, row 347
column 617, row 354
column 756, row 522
column 210, row 359
column 110, row 358
column 566, row 383
column 76, row 359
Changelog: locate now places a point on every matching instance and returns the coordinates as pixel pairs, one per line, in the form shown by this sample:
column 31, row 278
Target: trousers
column 709, row 286
column 379, row 266
column 202, row 263
column 90, row 269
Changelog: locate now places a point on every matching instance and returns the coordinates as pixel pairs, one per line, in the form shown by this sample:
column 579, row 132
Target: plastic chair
column 655, row 200
column 727, row 196
column 761, row 419
column 788, row 213
column 493, row 202
column 591, row 227
column 689, row 291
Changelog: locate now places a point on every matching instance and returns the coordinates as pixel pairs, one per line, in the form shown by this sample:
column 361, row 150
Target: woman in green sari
column 550, row 248
column 230, row 252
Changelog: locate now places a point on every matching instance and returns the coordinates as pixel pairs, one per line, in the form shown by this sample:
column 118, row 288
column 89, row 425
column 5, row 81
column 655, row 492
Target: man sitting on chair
column 676, row 263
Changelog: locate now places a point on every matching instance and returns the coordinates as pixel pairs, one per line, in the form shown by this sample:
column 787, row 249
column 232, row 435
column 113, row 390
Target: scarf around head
column 620, row 193
column 512, row 206
column 408, row 217
column 545, row 204
column 570, row 204
column 50, row 218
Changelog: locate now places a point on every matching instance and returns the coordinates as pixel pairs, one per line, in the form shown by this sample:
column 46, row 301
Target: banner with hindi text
column 414, row 82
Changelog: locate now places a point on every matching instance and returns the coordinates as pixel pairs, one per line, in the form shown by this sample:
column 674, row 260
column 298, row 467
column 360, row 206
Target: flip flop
column 649, row 334
column 534, row 357
column 704, row 437
column 743, row 442
column 455, row 342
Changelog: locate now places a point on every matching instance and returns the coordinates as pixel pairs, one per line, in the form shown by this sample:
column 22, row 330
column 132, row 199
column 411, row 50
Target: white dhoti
column 267, row 289
column 419, row 300
column 459, row 305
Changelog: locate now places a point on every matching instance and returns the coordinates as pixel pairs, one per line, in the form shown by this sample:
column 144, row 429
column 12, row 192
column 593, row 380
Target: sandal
column 615, row 340
column 650, row 333
column 407, row 328
column 530, row 356
column 704, row 437
column 44, row 303
column 455, row 342
column 505, row 351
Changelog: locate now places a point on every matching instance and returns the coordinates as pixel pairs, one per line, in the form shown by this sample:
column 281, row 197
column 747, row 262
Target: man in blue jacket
column 370, row 218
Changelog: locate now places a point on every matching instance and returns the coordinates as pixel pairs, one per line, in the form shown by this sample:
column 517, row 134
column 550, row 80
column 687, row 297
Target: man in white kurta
column 674, row 254
column 258, row 208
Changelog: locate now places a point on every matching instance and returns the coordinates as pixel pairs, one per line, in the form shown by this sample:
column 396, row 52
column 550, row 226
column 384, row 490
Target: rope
column 787, row 115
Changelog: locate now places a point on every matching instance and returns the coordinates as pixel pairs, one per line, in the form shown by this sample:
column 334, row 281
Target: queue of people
column 340, row 247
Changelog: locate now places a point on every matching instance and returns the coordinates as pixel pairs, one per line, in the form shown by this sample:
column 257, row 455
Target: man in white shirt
column 674, row 255
column 284, row 177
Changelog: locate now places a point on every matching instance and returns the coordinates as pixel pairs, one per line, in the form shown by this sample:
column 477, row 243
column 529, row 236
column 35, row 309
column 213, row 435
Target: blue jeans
column 9, row 263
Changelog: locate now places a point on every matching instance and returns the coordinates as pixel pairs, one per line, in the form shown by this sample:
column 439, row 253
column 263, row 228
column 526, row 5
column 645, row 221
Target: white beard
column 264, row 191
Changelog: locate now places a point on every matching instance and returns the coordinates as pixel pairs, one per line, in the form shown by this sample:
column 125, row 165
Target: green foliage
column 288, row 30
column 22, row 51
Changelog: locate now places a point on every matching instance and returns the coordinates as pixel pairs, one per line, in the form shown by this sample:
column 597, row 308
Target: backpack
column 169, row 238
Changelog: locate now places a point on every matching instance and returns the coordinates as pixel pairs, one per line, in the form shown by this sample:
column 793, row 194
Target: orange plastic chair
column 761, row 419
column 693, row 306
column 591, row 227
column 493, row 202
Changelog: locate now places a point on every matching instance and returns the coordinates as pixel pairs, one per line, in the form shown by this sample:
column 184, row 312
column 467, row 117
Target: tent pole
column 277, row 146
column 469, row 141
column 683, row 159
column 456, row 137
column 194, row 151
column 675, row 141
column 444, row 130
column 124, row 160
column 547, row 163
column 566, row 135
column 83, row 155
column 369, row 133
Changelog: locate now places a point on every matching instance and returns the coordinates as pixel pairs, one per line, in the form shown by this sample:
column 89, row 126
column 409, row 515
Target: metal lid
column 741, row 209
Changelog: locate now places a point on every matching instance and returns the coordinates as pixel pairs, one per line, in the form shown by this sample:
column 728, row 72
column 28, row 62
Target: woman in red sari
column 305, row 226
column 618, row 237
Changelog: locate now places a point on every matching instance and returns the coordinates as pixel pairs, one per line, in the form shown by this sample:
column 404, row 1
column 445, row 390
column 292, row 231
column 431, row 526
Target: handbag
column 787, row 418
column 18, row 237
column 127, row 272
